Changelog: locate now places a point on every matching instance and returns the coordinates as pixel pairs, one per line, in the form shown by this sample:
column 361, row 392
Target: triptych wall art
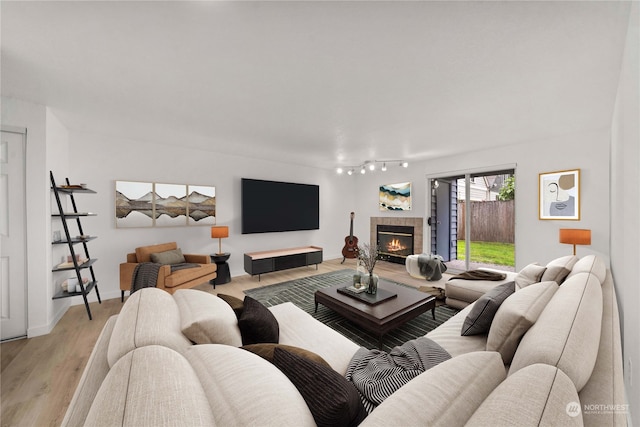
column 151, row 204
column 395, row 197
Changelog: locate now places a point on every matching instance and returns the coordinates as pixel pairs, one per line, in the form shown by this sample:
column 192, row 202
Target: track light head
column 371, row 165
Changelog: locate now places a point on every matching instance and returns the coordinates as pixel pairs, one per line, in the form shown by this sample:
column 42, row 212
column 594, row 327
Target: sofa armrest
column 132, row 257
column 197, row 258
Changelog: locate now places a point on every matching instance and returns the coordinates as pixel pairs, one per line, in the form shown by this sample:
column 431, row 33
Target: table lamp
column 219, row 232
column 575, row 236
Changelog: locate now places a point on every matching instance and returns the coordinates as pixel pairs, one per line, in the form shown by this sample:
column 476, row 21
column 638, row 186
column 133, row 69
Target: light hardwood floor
column 39, row 375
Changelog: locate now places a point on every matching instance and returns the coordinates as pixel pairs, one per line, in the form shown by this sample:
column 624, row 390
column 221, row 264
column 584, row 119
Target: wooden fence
column 490, row 221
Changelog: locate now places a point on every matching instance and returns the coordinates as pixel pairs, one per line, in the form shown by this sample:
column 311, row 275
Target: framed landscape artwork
column 559, row 195
column 149, row 204
column 395, row 197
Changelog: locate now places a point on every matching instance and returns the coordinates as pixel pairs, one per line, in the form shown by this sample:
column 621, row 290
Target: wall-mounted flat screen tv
column 271, row 206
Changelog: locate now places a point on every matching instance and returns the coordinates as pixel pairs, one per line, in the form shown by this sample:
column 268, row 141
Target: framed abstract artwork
column 559, row 195
column 395, row 197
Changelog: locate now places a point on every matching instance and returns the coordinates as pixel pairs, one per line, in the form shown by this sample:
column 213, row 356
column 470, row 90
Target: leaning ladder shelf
column 75, row 265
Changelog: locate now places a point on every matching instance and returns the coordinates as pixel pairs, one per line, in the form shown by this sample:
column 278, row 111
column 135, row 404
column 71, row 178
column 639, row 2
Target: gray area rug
column 301, row 292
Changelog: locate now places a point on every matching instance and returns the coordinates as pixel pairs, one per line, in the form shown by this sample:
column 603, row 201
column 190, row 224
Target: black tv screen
column 270, row 206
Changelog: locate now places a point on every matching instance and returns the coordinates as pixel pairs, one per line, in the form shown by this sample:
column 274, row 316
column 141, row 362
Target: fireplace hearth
column 395, row 242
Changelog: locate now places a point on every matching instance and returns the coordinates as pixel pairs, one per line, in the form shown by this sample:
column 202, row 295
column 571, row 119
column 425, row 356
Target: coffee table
column 382, row 317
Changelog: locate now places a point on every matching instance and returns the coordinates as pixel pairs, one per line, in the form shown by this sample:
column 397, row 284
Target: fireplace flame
column 395, row 245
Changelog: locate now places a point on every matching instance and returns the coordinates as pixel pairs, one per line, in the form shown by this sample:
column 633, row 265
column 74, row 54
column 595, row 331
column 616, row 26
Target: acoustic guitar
column 350, row 249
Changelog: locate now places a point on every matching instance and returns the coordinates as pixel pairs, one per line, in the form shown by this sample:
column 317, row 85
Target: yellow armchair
column 167, row 280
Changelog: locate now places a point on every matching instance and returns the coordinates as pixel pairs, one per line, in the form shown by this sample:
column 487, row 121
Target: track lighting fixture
column 371, row 165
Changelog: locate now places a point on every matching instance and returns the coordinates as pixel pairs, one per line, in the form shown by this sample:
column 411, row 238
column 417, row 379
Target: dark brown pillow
column 266, row 352
column 236, row 303
column 331, row 398
column 479, row 319
column 257, row 324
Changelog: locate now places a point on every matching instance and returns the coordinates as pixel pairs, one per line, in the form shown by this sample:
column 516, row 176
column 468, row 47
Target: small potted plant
column 368, row 256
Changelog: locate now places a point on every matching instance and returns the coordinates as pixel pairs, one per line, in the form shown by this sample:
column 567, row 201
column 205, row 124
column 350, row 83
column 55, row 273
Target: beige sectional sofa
column 562, row 344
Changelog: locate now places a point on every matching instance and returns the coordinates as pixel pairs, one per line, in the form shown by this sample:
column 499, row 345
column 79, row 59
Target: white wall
column 57, row 151
column 101, row 160
column 625, row 210
column 47, row 145
column 535, row 240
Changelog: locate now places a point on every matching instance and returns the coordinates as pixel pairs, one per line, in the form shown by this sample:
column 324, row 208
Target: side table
column 223, row 274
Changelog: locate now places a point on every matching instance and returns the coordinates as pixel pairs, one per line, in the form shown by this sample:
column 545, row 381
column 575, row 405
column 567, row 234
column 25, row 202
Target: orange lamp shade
column 575, row 236
column 219, row 232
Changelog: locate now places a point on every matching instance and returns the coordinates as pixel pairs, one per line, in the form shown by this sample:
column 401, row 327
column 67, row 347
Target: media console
column 281, row 259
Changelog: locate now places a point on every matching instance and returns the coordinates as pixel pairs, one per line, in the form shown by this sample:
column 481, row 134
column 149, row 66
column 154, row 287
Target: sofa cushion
column 236, row 304
column 567, row 333
column 151, row 386
column 245, row 390
column 516, row 315
column 461, row 292
column 298, row 328
column 445, row 395
column 559, row 268
column 143, row 253
column 173, row 256
column 206, row 319
column 538, row 395
column 266, row 351
column 479, row 319
column 257, row 324
column 529, row 275
column 590, row 264
column 149, row 316
column 331, row 398
column 448, row 335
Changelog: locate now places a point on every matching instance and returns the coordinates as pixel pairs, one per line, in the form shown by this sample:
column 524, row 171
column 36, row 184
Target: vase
column 371, row 282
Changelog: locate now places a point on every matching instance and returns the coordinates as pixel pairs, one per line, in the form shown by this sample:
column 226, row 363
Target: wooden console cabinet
column 281, row 259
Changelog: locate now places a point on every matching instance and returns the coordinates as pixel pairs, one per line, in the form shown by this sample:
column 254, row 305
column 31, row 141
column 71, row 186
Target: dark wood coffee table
column 378, row 318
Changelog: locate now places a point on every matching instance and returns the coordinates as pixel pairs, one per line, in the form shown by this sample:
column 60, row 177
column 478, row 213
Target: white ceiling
column 319, row 83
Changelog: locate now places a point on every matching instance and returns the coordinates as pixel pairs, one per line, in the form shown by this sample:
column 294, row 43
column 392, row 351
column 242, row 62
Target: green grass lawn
column 489, row 252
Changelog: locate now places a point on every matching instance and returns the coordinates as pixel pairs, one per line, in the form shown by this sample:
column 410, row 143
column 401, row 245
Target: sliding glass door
column 472, row 219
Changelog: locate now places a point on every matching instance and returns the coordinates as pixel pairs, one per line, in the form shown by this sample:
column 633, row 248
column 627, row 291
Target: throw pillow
column 516, row 315
column 266, row 351
column 332, row 400
column 236, row 303
column 168, row 257
column 479, row 319
column 529, row 275
column 257, row 324
column 206, row 319
column 558, row 269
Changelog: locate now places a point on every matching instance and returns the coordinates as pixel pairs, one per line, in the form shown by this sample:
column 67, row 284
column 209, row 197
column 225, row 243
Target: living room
column 601, row 142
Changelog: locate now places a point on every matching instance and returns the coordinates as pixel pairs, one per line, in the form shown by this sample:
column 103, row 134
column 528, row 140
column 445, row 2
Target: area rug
column 301, row 293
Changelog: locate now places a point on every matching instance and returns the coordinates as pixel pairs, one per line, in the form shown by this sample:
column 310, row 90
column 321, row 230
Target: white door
column 13, row 268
